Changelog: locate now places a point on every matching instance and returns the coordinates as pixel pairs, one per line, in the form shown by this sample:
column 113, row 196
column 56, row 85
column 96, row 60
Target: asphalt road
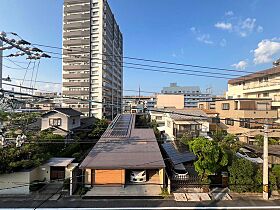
column 76, row 203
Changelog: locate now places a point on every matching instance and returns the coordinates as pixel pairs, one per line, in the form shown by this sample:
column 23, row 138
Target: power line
column 152, row 66
column 151, row 60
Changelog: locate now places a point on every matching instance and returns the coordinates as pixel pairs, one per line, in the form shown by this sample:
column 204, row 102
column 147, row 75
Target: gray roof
column 183, row 114
column 67, row 111
column 137, row 150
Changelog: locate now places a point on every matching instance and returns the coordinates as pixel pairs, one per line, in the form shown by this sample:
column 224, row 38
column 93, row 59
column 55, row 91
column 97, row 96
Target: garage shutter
column 110, row 177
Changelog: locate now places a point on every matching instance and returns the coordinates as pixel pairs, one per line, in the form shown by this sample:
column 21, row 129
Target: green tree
column 153, row 124
column 244, row 176
column 211, row 157
column 99, row 128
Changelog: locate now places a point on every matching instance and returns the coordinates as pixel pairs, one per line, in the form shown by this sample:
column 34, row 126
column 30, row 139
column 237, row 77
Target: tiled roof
column 66, row 111
column 256, row 75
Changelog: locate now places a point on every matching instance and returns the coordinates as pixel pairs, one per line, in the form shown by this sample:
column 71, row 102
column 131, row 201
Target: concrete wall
column 165, row 100
column 18, row 182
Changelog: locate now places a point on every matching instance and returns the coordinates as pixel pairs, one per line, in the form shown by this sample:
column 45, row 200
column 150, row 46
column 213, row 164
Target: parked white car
column 138, row 176
column 247, row 154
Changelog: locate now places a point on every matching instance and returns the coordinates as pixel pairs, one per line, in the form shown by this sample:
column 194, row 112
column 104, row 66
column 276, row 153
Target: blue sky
column 237, row 34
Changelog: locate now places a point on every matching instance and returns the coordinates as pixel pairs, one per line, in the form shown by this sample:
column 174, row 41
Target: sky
column 242, row 35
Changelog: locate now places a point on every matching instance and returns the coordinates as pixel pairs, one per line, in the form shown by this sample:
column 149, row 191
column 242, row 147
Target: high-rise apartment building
column 92, row 58
column 192, row 94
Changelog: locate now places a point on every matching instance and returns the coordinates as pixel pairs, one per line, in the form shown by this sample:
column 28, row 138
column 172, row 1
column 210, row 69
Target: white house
column 63, row 120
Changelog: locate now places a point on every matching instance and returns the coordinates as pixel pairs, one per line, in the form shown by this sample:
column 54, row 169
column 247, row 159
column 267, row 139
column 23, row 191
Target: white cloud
column 223, row 25
column 201, row 37
column 229, row 13
column 260, row 29
column 205, row 38
column 265, row 51
column 238, row 25
column 240, row 65
column 223, row 43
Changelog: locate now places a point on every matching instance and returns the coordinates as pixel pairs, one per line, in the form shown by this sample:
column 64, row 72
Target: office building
column 91, row 33
column 192, row 94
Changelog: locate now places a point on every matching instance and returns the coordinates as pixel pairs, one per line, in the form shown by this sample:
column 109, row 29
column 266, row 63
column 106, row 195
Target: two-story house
column 62, row 120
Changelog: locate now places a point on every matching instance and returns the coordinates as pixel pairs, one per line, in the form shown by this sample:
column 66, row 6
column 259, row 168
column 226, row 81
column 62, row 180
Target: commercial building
column 192, row 94
column 92, row 58
column 121, row 150
column 169, row 101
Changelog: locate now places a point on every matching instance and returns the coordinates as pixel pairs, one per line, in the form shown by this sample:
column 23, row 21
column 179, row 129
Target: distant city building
column 48, row 94
column 170, row 100
column 92, row 35
column 138, row 104
column 192, row 94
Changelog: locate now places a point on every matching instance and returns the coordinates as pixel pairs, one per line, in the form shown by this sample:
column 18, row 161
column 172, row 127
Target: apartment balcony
column 76, row 42
column 72, row 51
column 69, row 26
column 76, row 34
column 75, row 59
column 275, row 103
column 76, row 92
column 77, row 17
column 75, row 1
column 75, row 84
column 251, row 114
column 75, row 76
column 75, row 67
column 77, row 8
column 266, row 86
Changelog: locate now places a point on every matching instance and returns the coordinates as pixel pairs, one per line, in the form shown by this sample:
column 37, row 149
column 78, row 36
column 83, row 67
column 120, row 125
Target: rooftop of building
column 66, row 111
column 183, row 114
column 122, row 146
column 256, row 75
column 245, row 99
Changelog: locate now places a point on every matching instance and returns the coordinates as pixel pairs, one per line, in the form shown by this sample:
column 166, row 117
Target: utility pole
column 1, row 62
column 265, row 164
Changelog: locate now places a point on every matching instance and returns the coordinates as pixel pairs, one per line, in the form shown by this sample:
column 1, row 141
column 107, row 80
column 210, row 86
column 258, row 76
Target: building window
column 225, row 106
column 265, row 94
column 168, row 124
column 229, row 121
column 158, row 117
column 55, row 122
column 74, row 121
column 201, row 106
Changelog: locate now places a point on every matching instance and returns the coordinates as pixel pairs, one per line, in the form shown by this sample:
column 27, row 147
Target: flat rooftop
column 122, row 146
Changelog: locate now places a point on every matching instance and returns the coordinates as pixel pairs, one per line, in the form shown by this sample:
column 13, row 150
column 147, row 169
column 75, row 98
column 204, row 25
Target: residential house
column 192, row 122
column 121, row 150
column 63, row 120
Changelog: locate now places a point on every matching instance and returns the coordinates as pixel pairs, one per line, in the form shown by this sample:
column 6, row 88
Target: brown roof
column 256, row 75
column 138, row 150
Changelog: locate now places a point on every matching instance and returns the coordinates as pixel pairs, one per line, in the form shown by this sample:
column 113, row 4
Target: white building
column 92, row 36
